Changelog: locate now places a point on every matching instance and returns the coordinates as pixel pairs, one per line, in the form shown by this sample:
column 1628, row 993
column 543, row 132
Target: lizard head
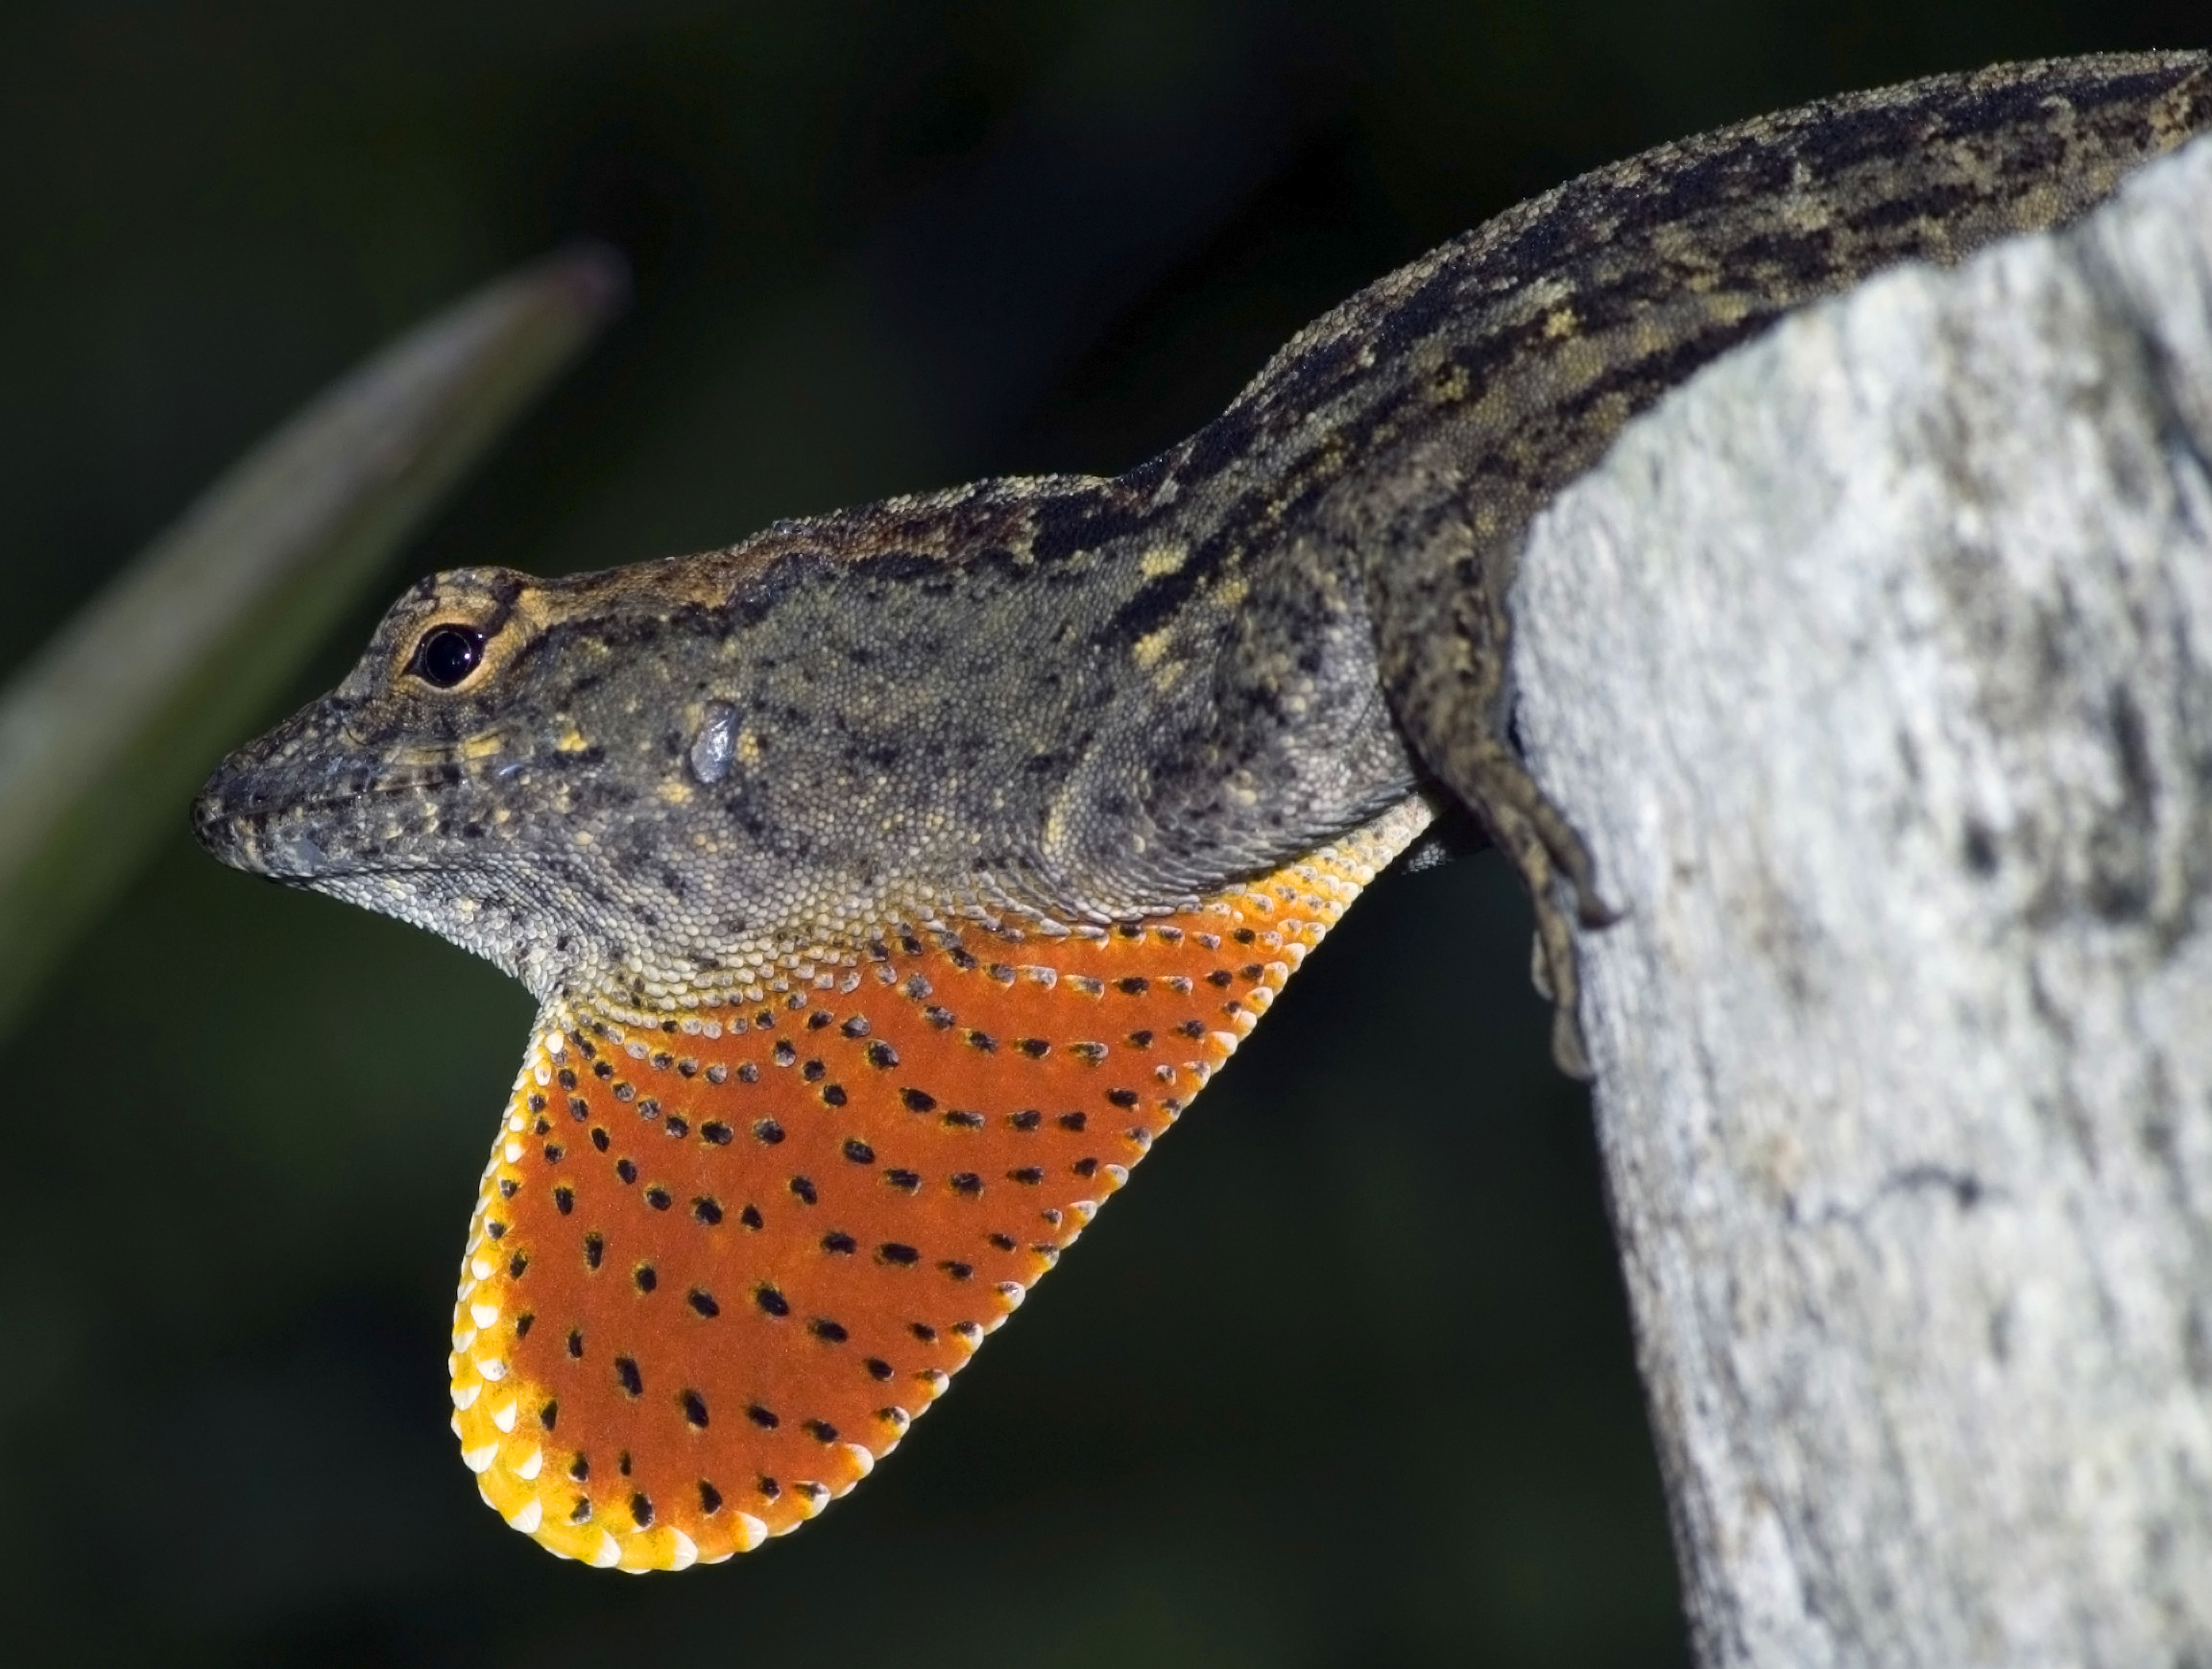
column 642, row 785
column 612, row 784
column 418, row 787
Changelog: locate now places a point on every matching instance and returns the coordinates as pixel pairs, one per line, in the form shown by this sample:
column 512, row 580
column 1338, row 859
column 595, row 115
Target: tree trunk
column 1876, row 664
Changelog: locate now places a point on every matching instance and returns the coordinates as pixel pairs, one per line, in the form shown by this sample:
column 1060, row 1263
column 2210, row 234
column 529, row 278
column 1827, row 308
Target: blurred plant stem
column 106, row 731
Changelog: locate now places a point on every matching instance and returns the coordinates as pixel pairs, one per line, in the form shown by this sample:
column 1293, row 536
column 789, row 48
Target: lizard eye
column 446, row 655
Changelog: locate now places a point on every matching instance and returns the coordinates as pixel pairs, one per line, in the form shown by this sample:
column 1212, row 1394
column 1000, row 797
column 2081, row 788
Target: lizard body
column 888, row 882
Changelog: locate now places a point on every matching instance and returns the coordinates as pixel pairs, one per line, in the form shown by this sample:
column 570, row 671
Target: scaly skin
column 1090, row 722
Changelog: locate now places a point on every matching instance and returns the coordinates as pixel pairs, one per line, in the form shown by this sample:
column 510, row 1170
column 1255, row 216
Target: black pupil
column 448, row 654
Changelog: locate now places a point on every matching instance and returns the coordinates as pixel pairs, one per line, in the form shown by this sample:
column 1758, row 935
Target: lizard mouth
column 262, row 812
column 280, row 843
column 298, row 838
column 275, row 840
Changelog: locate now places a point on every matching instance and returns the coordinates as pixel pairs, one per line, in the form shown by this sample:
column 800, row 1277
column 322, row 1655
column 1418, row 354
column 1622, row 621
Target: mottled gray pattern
column 664, row 777
column 1084, row 699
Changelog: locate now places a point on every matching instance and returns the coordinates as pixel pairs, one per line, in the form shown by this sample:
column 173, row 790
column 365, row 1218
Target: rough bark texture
column 1877, row 666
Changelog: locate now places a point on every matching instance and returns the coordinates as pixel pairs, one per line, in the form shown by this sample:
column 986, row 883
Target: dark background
column 1346, row 1379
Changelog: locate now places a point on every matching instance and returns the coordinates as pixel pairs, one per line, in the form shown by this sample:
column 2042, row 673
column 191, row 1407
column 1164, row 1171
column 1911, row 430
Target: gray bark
column 1877, row 666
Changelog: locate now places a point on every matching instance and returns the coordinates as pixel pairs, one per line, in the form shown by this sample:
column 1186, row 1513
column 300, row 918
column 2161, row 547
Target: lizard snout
column 271, row 807
column 240, row 825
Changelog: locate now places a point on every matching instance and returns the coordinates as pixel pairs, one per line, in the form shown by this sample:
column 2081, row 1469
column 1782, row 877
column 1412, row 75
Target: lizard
column 890, row 881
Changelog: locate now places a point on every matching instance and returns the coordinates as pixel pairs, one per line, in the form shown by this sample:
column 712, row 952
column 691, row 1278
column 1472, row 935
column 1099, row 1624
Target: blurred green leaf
column 106, row 731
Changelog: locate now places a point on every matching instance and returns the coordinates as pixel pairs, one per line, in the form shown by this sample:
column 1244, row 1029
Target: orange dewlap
column 720, row 1263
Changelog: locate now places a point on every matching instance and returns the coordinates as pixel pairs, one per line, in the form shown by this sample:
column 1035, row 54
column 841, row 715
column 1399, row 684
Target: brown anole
column 890, row 881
